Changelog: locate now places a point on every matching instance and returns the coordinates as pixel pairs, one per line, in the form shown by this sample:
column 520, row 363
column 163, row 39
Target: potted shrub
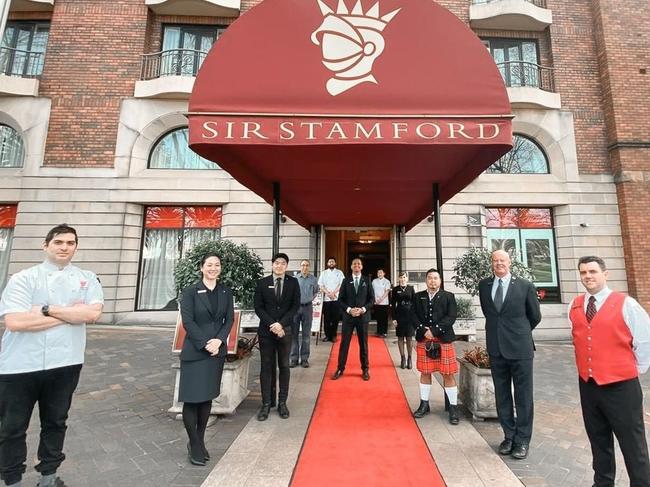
column 241, row 269
column 475, row 386
column 465, row 325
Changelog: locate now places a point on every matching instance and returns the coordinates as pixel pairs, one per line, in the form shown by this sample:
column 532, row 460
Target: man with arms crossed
column 611, row 336
column 45, row 309
column 511, row 311
column 330, row 282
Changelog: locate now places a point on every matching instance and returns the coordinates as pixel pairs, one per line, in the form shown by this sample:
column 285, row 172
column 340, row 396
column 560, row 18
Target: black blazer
column 509, row 333
column 202, row 323
column 269, row 309
column 349, row 298
column 443, row 314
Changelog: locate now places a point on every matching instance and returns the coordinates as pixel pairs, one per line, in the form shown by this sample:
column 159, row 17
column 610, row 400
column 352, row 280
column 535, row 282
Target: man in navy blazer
column 277, row 300
column 511, row 310
column 355, row 298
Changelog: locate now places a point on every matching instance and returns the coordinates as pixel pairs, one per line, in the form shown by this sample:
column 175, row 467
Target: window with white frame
column 525, row 157
column 172, row 151
column 12, row 148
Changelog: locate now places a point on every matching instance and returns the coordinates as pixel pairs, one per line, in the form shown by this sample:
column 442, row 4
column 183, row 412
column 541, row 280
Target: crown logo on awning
column 351, row 41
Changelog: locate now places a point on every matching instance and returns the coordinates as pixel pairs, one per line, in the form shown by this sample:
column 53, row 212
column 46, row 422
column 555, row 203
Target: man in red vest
column 611, row 335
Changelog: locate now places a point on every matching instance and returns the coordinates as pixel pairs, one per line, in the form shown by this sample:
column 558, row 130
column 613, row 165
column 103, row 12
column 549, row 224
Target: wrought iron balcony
column 173, row 62
column 24, row 64
column 538, row 3
column 522, row 73
column 510, row 14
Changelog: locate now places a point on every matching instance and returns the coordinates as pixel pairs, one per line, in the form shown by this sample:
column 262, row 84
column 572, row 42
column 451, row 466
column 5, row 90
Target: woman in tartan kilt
column 434, row 314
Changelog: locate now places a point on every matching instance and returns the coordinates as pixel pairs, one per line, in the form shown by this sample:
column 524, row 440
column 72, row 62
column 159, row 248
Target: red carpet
column 362, row 434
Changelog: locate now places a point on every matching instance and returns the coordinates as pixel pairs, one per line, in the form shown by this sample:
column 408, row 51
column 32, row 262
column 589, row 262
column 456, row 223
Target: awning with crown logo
column 355, row 107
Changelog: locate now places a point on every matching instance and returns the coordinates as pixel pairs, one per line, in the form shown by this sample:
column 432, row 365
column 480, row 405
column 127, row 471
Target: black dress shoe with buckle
column 365, row 375
column 519, row 451
column 453, row 414
column 283, row 411
column 505, row 448
column 337, row 374
column 263, row 413
column 305, row 364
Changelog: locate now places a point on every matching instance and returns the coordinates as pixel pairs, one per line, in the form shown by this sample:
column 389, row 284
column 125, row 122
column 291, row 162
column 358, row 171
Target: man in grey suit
column 511, row 310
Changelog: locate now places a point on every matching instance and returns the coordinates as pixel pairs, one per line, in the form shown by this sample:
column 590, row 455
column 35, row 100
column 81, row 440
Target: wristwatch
column 45, row 310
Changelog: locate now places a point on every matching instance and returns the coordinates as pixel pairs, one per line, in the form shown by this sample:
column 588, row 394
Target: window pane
column 203, row 217
column 173, row 152
column 6, row 235
column 8, row 216
column 164, row 217
column 192, row 236
column 525, row 157
column 501, row 217
column 160, row 254
column 12, row 151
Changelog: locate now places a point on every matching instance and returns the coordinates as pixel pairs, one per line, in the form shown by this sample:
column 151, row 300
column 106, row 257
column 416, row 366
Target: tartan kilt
column 446, row 364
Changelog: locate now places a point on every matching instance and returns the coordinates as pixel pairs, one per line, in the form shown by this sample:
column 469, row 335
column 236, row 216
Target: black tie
column 591, row 308
column 498, row 296
column 278, row 288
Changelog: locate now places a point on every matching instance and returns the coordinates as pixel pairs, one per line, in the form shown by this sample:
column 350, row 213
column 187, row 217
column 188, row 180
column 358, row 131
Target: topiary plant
column 476, row 264
column 240, row 268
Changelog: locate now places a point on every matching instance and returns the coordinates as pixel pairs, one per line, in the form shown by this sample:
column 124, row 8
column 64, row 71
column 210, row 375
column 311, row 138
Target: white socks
column 425, row 391
column 452, row 394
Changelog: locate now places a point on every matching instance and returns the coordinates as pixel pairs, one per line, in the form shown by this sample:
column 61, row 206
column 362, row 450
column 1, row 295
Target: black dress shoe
column 337, row 374
column 283, row 411
column 453, row 414
column 325, row 339
column 57, row 483
column 519, row 452
column 402, row 363
column 423, row 410
column 305, row 364
column 409, row 364
column 293, row 365
column 505, row 448
column 263, row 413
column 195, row 459
column 365, row 375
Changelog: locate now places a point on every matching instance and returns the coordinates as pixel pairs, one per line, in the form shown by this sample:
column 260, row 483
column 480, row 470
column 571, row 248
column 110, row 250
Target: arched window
column 12, row 149
column 172, row 151
column 526, row 157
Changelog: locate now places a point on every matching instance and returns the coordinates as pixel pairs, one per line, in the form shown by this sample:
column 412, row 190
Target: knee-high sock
column 425, row 391
column 452, row 394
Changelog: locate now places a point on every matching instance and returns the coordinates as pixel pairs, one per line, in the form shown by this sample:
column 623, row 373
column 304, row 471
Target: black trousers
column 380, row 312
column 519, row 373
column 331, row 317
column 346, row 337
column 615, row 409
column 53, row 390
column 274, row 351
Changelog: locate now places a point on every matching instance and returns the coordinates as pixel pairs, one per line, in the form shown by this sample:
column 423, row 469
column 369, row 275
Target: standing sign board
column 317, row 311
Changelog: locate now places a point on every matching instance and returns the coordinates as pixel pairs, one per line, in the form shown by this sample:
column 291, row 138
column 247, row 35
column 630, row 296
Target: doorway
column 371, row 245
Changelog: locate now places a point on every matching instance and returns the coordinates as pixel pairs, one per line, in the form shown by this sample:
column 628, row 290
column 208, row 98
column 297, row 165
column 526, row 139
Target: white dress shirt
column 380, row 286
column 505, row 282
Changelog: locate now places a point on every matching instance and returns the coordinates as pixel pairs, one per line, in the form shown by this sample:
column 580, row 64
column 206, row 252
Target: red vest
column 603, row 347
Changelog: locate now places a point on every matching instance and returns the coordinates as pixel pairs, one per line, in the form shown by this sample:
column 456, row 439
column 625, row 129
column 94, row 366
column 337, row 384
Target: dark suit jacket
column 349, row 298
column 269, row 309
column 509, row 333
column 443, row 314
column 202, row 323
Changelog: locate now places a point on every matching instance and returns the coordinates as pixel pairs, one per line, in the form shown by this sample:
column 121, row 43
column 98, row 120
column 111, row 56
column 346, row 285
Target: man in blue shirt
column 302, row 322
column 45, row 308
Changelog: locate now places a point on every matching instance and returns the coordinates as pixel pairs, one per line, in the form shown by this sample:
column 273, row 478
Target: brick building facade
column 99, row 104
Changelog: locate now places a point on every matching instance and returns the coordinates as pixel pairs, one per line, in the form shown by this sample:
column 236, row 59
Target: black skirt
column 404, row 326
column 200, row 379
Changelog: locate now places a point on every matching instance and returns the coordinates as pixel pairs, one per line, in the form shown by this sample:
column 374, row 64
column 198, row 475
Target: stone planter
column 476, row 390
column 234, row 388
column 465, row 327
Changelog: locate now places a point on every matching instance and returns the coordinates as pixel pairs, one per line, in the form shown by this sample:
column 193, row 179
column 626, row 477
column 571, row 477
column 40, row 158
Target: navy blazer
column 202, row 323
column 349, row 298
column 269, row 310
column 509, row 332
column 443, row 314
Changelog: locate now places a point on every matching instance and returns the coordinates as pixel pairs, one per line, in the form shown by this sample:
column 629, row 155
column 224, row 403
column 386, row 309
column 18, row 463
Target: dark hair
column 592, row 258
column 433, row 269
column 331, row 258
column 280, row 255
column 58, row 230
column 403, row 273
column 208, row 255
column 381, row 269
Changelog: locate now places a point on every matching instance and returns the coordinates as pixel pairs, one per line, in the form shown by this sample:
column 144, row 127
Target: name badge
column 201, row 291
column 271, row 287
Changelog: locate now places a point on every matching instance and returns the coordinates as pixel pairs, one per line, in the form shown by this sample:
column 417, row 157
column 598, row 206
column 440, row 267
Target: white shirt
column 636, row 319
column 329, row 280
column 60, row 346
column 380, row 286
column 505, row 282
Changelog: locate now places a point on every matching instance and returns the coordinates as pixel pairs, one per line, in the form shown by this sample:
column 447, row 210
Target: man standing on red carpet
column 356, row 298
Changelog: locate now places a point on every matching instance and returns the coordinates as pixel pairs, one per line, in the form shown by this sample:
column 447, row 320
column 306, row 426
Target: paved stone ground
column 119, row 431
column 560, row 455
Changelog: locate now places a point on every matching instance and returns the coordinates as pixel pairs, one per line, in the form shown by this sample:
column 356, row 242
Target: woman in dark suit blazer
column 208, row 312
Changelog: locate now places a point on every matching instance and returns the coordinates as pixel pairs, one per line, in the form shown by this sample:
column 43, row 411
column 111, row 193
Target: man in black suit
column 277, row 300
column 355, row 298
column 511, row 310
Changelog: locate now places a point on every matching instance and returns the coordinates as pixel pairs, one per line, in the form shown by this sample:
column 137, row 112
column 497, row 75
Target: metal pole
column 4, row 14
column 276, row 218
column 400, row 264
column 436, row 220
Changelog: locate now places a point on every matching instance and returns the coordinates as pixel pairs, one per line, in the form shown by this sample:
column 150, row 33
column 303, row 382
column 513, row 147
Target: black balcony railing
column 521, row 73
column 25, row 64
column 539, row 3
column 174, row 62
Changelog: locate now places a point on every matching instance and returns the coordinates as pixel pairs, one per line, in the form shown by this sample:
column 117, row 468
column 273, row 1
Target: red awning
column 356, row 108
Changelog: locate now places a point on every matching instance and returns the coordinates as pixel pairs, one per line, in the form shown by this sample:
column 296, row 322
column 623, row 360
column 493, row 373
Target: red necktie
column 591, row 309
